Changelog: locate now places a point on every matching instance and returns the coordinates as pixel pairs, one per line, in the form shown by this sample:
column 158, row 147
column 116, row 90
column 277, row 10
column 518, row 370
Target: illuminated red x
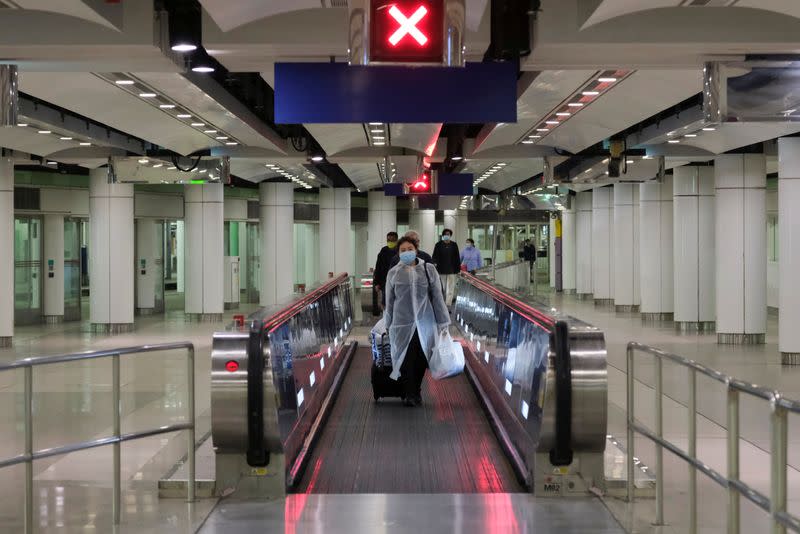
column 408, row 25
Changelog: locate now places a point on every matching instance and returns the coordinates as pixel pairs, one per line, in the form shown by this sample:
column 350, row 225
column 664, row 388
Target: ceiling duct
column 9, row 95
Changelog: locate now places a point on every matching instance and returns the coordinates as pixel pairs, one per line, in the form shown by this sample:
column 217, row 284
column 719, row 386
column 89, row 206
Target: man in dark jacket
column 529, row 255
column 421, row 254
column 382, row 266
column 447, row 259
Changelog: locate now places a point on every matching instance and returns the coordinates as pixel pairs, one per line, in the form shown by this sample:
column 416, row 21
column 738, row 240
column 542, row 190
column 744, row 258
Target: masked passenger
column 382, row 266
column 415, row 314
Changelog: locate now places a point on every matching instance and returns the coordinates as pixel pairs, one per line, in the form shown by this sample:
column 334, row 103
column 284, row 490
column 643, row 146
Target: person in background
column 421, row 254
column 448, row 263
column 415, row 315
column 529, row 255
column 471, row 257
column 382, row 266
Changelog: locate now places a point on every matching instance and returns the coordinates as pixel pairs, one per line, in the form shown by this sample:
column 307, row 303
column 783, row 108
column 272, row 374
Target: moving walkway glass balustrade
column 72, row 270
column 27, row 270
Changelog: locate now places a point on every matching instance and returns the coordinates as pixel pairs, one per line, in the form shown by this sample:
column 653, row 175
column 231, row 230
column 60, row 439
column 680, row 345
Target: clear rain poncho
column 409, row 308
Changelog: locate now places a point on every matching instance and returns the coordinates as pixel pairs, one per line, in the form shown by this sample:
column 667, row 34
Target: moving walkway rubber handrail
column 280, row 317
column 525, row 310
column 561, row 453
column 257, row 453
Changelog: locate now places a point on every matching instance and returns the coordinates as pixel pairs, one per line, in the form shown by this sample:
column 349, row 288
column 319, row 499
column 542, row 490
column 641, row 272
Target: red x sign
column 408, row 25
column 406, row 31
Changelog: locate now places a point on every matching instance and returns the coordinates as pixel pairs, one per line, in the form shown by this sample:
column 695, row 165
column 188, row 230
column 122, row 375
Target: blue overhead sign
column 339, row 93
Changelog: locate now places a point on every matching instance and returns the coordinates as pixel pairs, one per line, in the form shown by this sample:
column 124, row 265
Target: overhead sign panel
column 338, row 93
column 406, row 31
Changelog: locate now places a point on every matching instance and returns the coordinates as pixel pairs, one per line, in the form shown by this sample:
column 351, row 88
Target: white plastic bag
column 447, row 359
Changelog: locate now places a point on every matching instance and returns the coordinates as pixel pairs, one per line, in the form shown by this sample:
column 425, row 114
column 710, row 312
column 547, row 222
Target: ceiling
column 71, row 52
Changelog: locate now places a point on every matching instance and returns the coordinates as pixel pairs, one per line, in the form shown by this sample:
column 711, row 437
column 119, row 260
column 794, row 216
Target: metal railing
column 780, row 407
column 29, row 456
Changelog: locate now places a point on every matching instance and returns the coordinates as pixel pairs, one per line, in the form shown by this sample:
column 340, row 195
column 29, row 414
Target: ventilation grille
column 252, row 209
column 332, row 3
column 26, row 198
column 708, row 3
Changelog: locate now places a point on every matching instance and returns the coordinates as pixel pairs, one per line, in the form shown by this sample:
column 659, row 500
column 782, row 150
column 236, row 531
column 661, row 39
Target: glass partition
column 72, row 270
column 27, row 270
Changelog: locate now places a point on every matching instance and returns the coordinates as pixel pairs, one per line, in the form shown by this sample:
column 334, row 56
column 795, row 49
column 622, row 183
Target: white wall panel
column 583, row 240
column 602, row 225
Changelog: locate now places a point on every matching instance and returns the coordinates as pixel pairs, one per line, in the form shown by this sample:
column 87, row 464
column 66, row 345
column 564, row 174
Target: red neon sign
column 406, row 31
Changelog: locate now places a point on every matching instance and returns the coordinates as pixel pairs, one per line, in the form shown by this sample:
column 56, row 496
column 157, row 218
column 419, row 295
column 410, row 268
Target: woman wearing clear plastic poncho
column 415, row 315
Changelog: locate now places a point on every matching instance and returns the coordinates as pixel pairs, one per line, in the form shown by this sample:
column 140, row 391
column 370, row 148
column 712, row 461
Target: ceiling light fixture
column 232, row 143
column 317, row 159
column 65, row 138
column 183, row 116
column 575, row 104
column 528, row 142
column 198, row 124
column 201, row 62
column 563, row 114
column 185, row 47
column 144, row 161
column 85, row 144
column 148, row 95
column 209, row 131
column 52, row 163
column 709, row 129
column 22, row 124
column 552, row 122
column 542, row 129
column 606, row 80
column 590, row 93
column 690, row 135
column 673, row 141
column 45, row 132
column 167, row 106
column 124, row 82
column 158, row 165
column 221, row 138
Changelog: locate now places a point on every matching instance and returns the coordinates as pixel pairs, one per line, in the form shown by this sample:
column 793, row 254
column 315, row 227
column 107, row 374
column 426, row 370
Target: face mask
column 391, row 244
column 469, row 245
column 445, row 237
column 408, row 257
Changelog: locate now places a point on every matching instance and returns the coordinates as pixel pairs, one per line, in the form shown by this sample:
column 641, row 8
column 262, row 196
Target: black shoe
column 417, row 400
column 408, row 402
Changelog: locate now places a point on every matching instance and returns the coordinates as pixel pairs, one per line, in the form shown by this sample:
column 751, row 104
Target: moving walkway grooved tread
column 444, row 446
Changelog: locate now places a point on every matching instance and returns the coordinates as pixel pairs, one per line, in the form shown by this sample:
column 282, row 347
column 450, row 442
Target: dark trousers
column 413, row 369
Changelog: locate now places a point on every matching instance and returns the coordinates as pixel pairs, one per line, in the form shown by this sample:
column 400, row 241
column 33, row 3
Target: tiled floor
column 72, row 403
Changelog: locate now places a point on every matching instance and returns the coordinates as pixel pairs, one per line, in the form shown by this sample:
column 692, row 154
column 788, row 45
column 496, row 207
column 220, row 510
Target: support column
column 789, row 249
column 602, row 226
column 583, row 240
column 276, row 230
column 335, row 253
column 111, row 253
column 146, row 275
column 741, row 251
column 180, row 255
column 382, row 219
column 204, row 263
column 694, row 249
column 568, row 251
column 551, row 252
column 361, row 260
column 53, row 269
column 627, row 293
column 7, row 259
column 655, row 250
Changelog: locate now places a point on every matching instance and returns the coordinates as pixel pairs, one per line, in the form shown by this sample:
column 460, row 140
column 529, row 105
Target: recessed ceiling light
column 629, row 161
column 377, row 131
column 184, row 47
column 65, row 138
column 210, row 131
column 379, row 143
column 231, row 143
column 709, row 129
column 551, row 122
column 183, row 116
column 147, row 95
column 542, row 129
column 144, row 161
column 528, row 142
column 536, row 137
column 563, row 114
column 85, row 144
column 502, row 164
column 124, row 82
column 376, row 124
column 575, row 104
column 203, row 69
column 22, row 124
column 690, row 135
column 317, row 158
column 590, row 93
column 158, row 165
column 45, row 132
column 606, row 80
column 378, row 137
column 52, row 163
column 673, row 141
column 647, row 157
column 167, row 106
column 198, row 124
column 221, row 137
column 171, row 168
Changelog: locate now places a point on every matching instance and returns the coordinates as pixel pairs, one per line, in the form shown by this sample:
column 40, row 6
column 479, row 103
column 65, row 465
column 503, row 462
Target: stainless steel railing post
column 117, row 487
column 733, row 460
column 659, row 448
column 630, row 381
column 778, row 465
column 692, row 451
column 191, row 456
column 28, row 416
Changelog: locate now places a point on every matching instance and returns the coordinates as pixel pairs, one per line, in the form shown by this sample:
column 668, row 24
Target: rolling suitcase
column 382, row 383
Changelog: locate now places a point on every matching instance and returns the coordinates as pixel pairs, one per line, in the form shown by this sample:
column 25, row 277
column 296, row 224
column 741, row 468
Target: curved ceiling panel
column 229, row 15
column 730, row 136
column 364, row 176
column 636, row 98
column 96, row 98
column 99, row 13
column 419, row 137
column 335, row 138
column 545, row 93
column 28, row 140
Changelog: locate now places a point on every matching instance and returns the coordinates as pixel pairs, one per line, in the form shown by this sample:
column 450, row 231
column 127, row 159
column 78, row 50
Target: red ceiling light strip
column 588, row 93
